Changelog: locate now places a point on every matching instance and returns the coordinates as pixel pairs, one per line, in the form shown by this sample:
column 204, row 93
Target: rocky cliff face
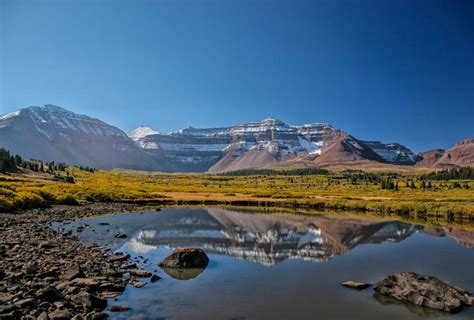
column 429, row 158
column 392, row 152
column 264, row 143
column 460, row 155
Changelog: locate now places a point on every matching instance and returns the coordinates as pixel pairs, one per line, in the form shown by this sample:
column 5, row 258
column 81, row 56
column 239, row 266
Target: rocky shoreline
column 48, row 275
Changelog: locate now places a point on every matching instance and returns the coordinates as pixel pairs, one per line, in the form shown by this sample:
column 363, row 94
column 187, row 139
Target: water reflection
column 183, row 273
column 420, row 311
column 240, row 245
column 272, row 238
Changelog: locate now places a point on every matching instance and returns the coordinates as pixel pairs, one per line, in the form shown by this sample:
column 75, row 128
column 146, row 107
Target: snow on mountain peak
column 10, row 115
column 141, row 132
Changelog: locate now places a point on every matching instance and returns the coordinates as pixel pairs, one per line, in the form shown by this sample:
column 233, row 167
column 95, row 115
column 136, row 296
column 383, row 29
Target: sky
column 396, row 71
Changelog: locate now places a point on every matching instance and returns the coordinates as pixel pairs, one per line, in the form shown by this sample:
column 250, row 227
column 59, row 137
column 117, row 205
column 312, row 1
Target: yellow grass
column 317, row 192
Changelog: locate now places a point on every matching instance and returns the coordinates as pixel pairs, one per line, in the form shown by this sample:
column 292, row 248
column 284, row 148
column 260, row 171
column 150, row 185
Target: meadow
column 385, row 193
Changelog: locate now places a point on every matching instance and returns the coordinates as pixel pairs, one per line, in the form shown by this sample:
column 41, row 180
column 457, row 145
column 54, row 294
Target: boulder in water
column 186, row 258
column 424, row 291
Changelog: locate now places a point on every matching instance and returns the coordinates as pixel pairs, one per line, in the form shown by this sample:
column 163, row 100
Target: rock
column 118, row 258
column 119, row 308
column 154, row 278
column 31, row 269
column 53, row 272
column 137, row 284
column 59, row 314
column 120, row 235
column 84, row 282
column 89, row 301
column 50, row 294
column 110, row 295
column 26, row 303
column 356, row 285
column 7, row 308
column 111, row 287
column 423, row 291
column 140, row 273
column 74, row 272
column 132, row 265
column 63, row 285
column 48, row 245
column 43, row 316
column 186, row 258
column 96, row 316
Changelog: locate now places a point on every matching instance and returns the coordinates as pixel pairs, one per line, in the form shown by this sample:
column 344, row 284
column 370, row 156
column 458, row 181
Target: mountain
column 460, row 155
column 429, row 158
column 52, row 133
column 264, row 143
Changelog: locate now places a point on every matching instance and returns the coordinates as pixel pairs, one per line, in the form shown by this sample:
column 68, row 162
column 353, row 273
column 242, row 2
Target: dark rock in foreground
column 424, row 291
column 119, row 308
column 356, row 285
column 186, row 258
column 47, row 273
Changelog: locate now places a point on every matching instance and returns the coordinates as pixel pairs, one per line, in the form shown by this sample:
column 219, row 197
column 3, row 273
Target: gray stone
column 356, row 285
column 59, row 314
column 74, row 272
column 186, row 258
column 89, row 301
column 424, row 291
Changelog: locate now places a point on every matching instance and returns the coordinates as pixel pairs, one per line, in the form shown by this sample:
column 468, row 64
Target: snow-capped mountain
column 263, row 143
column 141, row 132
column 53, row 133
column 392, row 152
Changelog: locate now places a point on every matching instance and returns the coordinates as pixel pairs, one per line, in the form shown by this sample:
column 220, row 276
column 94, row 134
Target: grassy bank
column 383, row 193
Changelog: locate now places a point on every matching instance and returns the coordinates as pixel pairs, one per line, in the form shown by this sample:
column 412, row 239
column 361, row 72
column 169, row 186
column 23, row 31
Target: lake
column 276, row 265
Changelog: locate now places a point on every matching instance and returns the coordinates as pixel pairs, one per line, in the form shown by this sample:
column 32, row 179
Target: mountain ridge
column 54, row 133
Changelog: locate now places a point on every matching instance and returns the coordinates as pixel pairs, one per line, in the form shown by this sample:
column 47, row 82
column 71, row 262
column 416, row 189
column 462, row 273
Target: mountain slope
column 52, row 133
column 429, row 158
column 264, row 143
column 462, row 155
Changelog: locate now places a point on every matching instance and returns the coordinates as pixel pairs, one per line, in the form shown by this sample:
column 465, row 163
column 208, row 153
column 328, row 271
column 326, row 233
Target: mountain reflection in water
column 272, row 238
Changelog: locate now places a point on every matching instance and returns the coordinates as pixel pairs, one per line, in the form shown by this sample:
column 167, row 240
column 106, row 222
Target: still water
column 279, row 265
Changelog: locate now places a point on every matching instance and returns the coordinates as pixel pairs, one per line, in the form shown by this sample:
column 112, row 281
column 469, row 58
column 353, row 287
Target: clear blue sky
column 399, row 70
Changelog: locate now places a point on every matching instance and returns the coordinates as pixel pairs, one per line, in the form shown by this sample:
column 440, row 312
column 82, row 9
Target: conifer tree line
column 466, row 173
column 10, row 163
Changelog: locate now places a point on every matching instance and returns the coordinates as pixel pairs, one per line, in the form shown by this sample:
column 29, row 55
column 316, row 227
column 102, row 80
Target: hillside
column 52, row 133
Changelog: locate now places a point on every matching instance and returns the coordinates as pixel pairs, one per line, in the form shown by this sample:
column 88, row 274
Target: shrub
column 46, row 195
column 67, row 199
column 96, row 196
column 7, row 193
column 5, row 204
column 28, row 200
